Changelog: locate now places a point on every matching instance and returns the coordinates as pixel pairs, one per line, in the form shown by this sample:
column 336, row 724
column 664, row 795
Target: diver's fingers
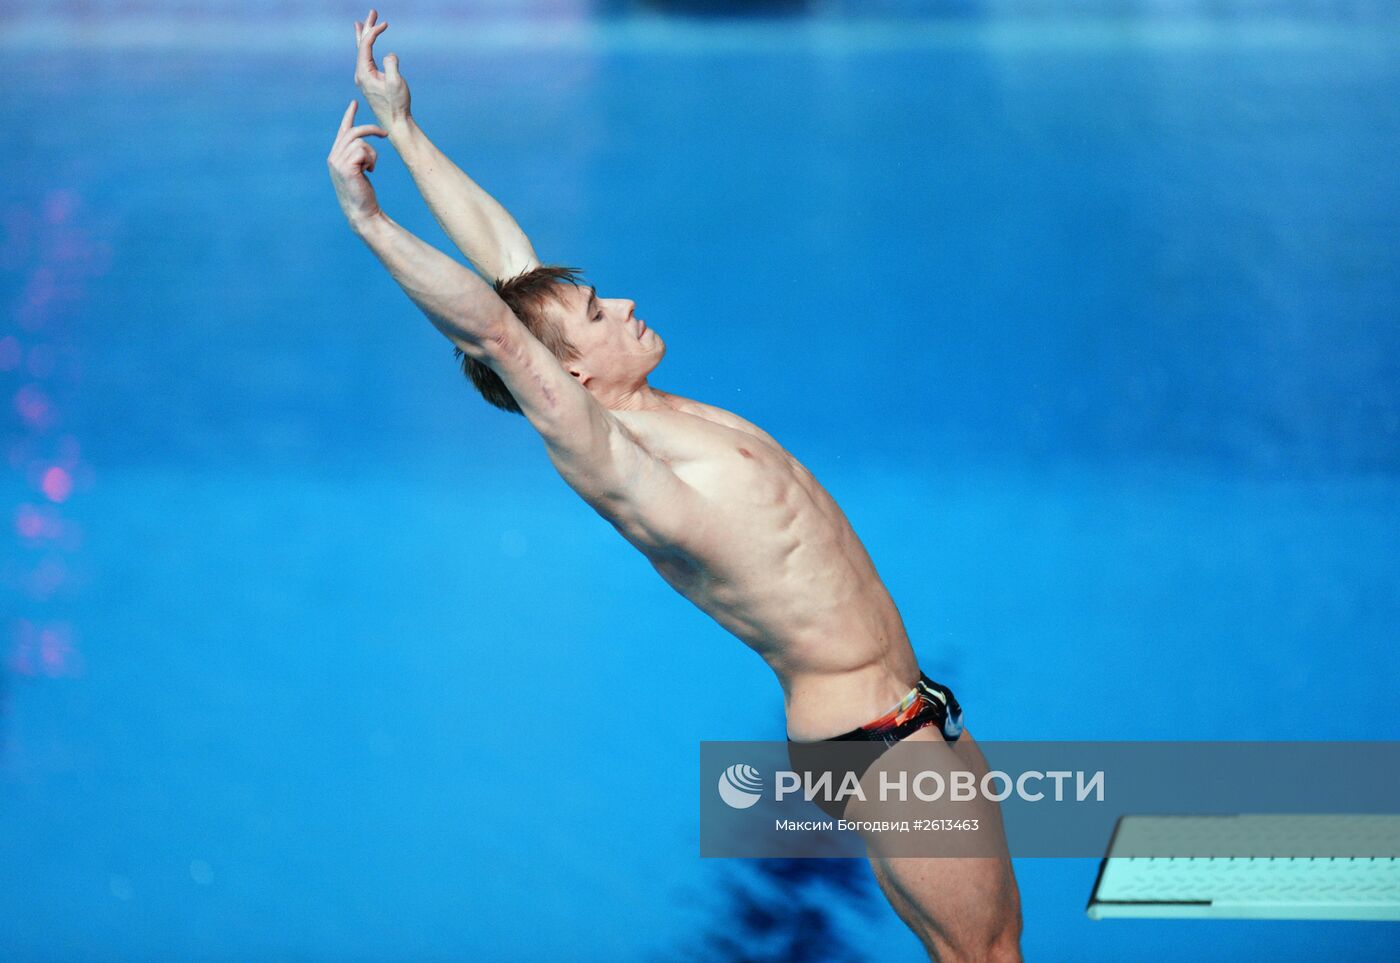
column 365, row 130
column 365, row 64
column 348, row 118
column 353, row 157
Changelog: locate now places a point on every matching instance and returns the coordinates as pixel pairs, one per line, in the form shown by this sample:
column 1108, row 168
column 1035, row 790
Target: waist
column 823, row 705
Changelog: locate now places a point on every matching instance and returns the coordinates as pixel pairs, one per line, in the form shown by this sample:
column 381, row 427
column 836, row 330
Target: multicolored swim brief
column 927, row 704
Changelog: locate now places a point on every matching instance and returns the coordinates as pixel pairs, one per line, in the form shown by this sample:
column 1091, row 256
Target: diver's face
column 616, row 349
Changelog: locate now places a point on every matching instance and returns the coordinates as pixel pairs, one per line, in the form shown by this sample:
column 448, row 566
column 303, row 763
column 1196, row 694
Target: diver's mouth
column 641, row 328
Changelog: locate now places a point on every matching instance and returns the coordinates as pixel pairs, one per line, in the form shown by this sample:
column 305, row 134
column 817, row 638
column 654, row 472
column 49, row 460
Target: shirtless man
column 724, row 514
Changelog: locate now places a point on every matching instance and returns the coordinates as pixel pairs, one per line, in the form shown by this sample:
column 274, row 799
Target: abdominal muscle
column 773, row 559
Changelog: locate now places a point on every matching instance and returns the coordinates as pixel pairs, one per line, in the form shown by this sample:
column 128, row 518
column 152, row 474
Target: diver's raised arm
column 598, row 456
column 475, row 221
column 461, row 305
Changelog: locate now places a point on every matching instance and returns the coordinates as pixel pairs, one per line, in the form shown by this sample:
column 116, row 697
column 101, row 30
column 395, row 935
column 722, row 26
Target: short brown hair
column 524, row 294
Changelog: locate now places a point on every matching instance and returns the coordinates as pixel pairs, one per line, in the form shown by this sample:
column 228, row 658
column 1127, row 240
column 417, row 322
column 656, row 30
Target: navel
column 745, row 452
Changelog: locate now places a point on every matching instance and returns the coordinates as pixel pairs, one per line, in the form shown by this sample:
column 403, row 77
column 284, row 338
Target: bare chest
column 735, row 465
column 753, row 506
column 761, row 546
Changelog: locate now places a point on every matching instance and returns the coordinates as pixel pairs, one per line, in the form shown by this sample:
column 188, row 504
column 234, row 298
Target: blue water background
column 1089, row 325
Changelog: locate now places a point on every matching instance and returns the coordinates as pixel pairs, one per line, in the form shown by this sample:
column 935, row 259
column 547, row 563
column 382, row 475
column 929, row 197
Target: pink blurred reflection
column 48, row 649
column 48, row 253
column 37, row 521
column 34, row 407
column 57, row 484
column 56, row 648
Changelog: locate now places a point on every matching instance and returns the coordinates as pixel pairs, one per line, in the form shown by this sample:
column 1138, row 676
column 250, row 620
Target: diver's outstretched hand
column 350, row 157
column 385, row 89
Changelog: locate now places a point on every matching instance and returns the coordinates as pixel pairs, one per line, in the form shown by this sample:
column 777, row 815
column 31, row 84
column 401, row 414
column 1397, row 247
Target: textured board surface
column 1251, row 867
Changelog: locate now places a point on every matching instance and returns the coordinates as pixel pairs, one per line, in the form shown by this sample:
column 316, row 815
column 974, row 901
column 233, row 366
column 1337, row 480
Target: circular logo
column 740, row 786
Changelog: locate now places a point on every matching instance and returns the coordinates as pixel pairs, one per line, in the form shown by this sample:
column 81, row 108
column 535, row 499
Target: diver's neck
column 645, row 398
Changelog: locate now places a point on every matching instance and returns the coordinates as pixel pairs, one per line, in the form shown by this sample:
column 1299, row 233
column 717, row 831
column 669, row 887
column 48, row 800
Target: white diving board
column 1251, row 867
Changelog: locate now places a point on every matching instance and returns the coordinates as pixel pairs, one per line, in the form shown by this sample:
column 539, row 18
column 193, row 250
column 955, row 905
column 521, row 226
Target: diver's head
column 600, row 341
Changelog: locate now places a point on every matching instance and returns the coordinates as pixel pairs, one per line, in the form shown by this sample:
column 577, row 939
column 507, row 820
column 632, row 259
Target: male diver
column 726, row 516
